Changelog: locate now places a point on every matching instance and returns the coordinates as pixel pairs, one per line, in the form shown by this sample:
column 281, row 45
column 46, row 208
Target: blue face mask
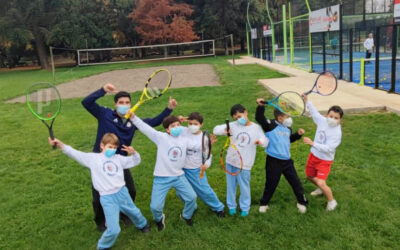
column 176, row 131
column 123, row 109
column 110, row 152
column 242, row 121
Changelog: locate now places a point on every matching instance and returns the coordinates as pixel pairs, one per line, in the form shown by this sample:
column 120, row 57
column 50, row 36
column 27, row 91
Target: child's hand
column 56, row 142
column 226, row 132
column 131, row 114
column 213, row 139
column 182, row 119
column 258, row 142
column 305, row 97
column 203, row 167
column 109, row 88
column 172, row 103
column 308, row 141
column 260, row 101
column 130, row 150
column 301, row 131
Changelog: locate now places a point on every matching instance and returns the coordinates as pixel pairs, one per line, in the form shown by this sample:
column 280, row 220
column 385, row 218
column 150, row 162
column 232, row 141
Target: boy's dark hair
column 169, row 120
column 336, row 109
column 237, row 108
column 121, row 94
column 278, row 113
column 196, row 116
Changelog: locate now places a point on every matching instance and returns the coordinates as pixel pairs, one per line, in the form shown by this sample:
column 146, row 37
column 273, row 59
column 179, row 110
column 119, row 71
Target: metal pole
column 52, row 64
column 291, row 39
column 79, row 57
column 87, row 53
column 377, row 38
column 247, row 40
column 247, row 32
column 394, row 52
column 340, row 42
column 323, row 51
column 233, row 50
column 351, row 54
column 284, row 34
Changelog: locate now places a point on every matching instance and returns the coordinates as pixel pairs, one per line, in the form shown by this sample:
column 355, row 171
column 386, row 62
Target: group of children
column 179, row 162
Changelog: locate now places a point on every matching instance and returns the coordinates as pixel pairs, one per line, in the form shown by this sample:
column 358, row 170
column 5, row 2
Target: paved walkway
column 352, row 97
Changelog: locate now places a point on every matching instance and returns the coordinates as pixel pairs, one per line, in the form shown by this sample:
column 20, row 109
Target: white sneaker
column 302, row 209
column 263, row 209
column 331, row 205
column 316, row 192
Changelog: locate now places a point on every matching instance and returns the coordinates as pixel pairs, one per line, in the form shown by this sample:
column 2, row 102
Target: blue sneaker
column 244, row 213
column 232, row 211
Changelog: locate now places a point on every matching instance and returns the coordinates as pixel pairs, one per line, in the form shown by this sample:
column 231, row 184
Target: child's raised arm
column 316, row 116
column 132, row 160
column 150, row 132
column 82, row 158
column 265, row 124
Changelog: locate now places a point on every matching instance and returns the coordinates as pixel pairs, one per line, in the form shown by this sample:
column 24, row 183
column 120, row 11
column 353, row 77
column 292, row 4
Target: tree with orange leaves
column 163, row 21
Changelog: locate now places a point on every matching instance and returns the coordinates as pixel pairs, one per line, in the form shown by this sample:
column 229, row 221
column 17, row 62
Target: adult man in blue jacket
column 113, row 121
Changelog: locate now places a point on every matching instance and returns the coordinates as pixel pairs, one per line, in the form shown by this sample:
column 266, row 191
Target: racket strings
column 291, row 103
column 158, row 83
column 44, row 100
column 326, row 84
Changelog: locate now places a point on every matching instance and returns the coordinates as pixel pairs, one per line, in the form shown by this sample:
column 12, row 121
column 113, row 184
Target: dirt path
column 131, row 80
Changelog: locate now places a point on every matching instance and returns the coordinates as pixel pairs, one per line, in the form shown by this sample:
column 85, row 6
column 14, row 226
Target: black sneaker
column 189, row 222
column 145, row 229
column 161, row 223
column 101, row 228
column 220, row 214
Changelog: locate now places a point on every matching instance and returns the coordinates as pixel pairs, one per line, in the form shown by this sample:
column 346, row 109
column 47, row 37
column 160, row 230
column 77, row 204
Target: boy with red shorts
column 327, row 138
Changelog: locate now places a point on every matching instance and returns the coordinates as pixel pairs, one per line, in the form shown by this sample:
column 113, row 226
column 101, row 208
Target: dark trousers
column 274, row 168
column 368, row 55
column 98, row 209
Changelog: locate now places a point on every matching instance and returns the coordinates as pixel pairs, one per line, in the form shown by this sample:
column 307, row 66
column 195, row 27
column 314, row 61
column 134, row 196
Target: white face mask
column 288, row 122
column 332, row 122
column 194, row 128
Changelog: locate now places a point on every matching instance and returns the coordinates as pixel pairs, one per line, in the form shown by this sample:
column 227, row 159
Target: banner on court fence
column 253, row 33
column 326, row 19
column 267, row 31
column 396, row 8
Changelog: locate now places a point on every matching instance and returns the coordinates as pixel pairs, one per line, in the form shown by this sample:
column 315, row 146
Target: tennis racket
column 157, row 84
column 230, row 146
column 289, row 102
column 325, row 84
column 44, row 101
column 205, row 149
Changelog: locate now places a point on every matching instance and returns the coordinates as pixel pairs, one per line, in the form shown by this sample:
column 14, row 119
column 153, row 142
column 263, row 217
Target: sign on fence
column 326, row 19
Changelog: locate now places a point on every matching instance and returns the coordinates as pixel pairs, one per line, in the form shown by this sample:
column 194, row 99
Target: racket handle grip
column 227, row 127
column 308, row 92
column 264, row 102
column 52, row 137
column 201, row 173
column 132, row 110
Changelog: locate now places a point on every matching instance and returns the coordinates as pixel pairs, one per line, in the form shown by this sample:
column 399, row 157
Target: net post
column 362, row 73
column 351, row 54
column 52, row 64
column 78, row 55
column 233, row 49
column 377, row 57
column 340, row 42
column 215, row 54
column 394, row 52
column 284, row 34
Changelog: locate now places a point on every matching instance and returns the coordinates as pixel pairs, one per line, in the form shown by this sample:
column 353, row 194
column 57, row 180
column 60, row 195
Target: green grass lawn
column 45, row 197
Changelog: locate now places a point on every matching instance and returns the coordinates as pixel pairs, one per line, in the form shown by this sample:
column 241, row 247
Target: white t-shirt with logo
column 107, row 173
column 327, row 138
column 171, row 151
column 194, row 150
column 244, row 138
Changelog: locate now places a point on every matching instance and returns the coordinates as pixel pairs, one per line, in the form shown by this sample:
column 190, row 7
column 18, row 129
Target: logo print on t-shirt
column 243, row 139
column 110, row 168
column 321, row 137
column 174, row 153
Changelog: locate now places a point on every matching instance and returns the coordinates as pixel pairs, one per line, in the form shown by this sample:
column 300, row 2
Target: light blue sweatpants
column 243, row 180
column 161, row 186
column 112, row 204
column 203, row 189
